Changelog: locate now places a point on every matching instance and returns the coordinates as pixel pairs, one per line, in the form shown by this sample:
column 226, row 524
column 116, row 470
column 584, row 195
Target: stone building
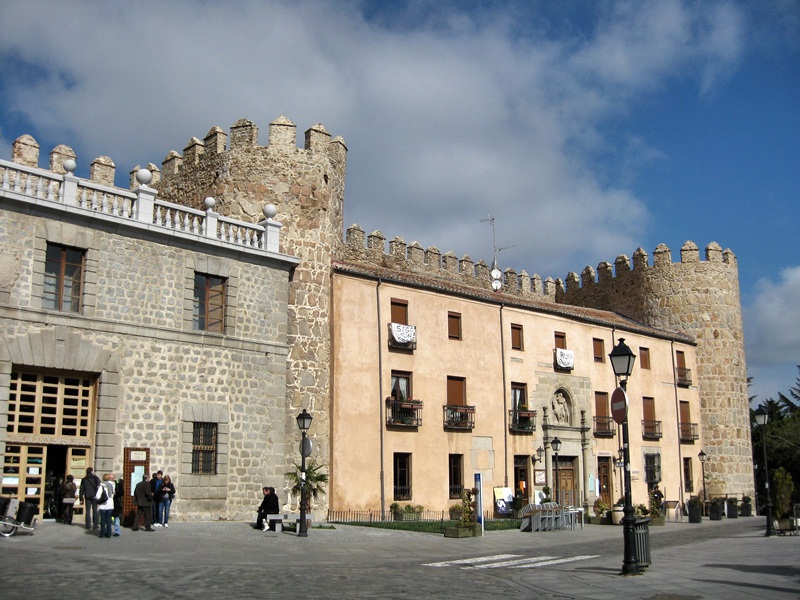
column 302, row 329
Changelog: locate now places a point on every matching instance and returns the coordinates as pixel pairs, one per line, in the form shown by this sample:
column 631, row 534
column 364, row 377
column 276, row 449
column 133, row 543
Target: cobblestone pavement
column 728, row 559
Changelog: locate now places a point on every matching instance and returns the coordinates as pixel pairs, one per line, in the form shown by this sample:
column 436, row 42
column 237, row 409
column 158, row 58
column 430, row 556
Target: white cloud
column 448, row 118
column 772, row 334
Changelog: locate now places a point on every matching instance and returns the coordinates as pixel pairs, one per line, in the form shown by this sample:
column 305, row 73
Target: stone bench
column 281, row 520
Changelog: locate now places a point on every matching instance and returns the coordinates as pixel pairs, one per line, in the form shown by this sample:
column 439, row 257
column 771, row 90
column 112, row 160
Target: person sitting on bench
column 269, row 506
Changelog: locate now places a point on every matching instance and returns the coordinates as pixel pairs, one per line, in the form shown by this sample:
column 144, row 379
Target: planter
column 463, row 531
column 746, row 510
column 595, row 520
column 695, row 514
column 398, row 516
column 617, row 513
column 715, row 512
column 657, row 520
column 732, row 510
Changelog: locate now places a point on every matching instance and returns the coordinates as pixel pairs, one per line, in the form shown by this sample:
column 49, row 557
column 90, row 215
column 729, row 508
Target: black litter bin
column 4, row 506
column 641, row 535
column 26, row 512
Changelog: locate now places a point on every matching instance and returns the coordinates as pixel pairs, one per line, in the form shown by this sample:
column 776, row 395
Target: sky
column 585, row 129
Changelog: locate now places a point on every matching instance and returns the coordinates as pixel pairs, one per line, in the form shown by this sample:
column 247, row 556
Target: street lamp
column 303, row 422
column 555, row 443
column 702, row 456
column 622, row 359
column 762, row 416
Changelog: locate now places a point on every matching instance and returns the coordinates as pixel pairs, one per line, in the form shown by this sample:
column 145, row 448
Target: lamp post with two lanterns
column 622, row 359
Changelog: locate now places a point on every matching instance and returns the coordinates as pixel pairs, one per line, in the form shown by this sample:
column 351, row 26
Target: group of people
column 102, row 501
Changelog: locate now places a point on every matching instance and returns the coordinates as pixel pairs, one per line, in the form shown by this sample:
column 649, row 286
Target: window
column 688, row 479
column 401, row 386
column 519, row 396
column 561, row 340
column 454, row 325
column 456, row 391
column 209, row 303
column 402, row 476
column 399, row 310
column 644, row 358
column 63, row 278
column 456, row 470
column 598, row 347
column 516, row 337
column 651, row 428
column 521, row 475
column 652, row 468
column 603, row 423
column 204, row 449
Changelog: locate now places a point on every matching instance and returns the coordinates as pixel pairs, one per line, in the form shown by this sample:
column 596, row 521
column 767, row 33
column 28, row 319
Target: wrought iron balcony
column 651, row 430
column 604, row 427
column 402, row 337
column 456, row 491
column 522, row 421
column 689, row 432
column 683, row 376
column 403, row 413
column 402, row 492
column 459, row 417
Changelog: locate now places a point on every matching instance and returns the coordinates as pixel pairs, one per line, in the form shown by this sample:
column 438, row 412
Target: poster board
column 503, row 501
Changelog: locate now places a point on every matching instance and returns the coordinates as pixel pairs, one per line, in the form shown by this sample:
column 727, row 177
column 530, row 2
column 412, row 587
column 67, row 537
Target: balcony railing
column 522, row 421
column 651, row 430
column 689, row 432
column 403, row 413
column 459, row 417
column 402, row 337
column 683, row 376
column 402, row 492
column 604, row 427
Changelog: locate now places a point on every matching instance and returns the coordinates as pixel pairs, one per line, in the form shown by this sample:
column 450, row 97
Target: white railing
column 139, row 206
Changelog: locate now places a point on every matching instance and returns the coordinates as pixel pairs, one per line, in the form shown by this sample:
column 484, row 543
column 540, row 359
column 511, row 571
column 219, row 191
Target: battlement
column 413, row 258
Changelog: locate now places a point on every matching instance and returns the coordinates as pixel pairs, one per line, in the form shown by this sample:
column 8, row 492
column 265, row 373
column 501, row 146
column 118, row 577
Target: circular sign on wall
column 619, row 405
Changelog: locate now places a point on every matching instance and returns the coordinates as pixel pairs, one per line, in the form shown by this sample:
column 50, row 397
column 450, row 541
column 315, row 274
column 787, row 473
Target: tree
column 314, row 482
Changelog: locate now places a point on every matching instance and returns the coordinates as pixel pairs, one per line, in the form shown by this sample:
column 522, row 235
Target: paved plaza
column 727, row 559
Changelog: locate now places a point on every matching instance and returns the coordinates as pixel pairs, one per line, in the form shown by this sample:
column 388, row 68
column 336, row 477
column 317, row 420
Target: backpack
column 104, row 495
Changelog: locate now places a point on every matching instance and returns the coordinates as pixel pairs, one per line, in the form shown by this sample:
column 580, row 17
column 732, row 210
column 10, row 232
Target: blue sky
column 587, row 129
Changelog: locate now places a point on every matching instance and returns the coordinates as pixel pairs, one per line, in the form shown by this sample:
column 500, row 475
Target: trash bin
column 641, row 535
column 26, row 512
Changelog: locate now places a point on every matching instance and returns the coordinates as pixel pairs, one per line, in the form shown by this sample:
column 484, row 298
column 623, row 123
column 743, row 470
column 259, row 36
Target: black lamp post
column 303, row 422
column 702, row 456
column 555, row 444
column 622, row 359
column 762, row 417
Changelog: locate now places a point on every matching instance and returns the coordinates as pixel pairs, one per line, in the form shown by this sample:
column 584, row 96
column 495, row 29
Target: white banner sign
column 404, row 334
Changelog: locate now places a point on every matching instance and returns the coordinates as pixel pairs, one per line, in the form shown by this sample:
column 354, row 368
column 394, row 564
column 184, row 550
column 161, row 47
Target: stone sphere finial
column 210, row 203
column 70, row 165
column 270, row 210
column 144, row 176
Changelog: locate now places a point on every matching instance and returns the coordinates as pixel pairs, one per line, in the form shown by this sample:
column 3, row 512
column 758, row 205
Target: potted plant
column 467, row 525
column 732, row 508
column 412, row 512
column 654, row 509
column 715, row 509
column 618, row 511
column 746, row 507
column 695, row 506
column 396, row 510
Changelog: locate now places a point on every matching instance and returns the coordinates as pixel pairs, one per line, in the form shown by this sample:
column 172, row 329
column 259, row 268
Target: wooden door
column 605, row 476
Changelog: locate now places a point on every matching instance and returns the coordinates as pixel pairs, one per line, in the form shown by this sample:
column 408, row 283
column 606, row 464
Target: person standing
column 167, row 490
column 68, row 493
column 155, row 489
column 144, row 504
column 105, row 507
column 116, row 514
column 88, row 496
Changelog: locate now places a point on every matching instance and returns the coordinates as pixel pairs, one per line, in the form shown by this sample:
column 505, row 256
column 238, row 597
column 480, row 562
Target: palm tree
column 314, row 482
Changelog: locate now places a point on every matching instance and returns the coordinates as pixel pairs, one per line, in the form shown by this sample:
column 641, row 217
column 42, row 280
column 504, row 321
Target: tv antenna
column 496, row 274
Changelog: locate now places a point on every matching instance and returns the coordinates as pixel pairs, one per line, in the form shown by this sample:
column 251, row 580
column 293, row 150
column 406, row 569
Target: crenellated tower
column 307, row 187
column 701, row 299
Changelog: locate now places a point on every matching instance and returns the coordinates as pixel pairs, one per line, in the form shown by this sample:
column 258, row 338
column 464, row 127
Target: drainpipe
column 505, row 397
column 381, row 416
column 678, row 413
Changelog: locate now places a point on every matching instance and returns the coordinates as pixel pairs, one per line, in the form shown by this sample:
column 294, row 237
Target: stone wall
column 307, row 187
